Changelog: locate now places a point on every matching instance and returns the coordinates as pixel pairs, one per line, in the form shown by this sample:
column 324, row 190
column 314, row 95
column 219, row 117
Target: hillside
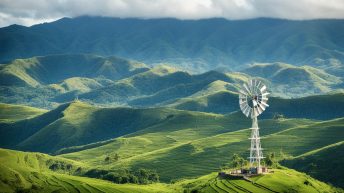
column 37, row 172
column 12, row 113
column 77, row 123
column 33, row 172
column 56, row 68
column 205, row 44
column 286, row 80
column 321, row 107
column 317, row 163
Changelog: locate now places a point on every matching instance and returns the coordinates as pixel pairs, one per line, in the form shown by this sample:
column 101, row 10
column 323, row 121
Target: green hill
column 198, row 143
column 286, row 80
column 320, row 162
column 321, row 107
column 202, row 145
column 12, row 113
column 55, row 68
column 78, row 124
column 210, row 103
column 116, row 82
column 37, row 172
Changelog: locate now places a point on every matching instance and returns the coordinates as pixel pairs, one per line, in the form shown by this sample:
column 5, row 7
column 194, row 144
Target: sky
column 30, row 12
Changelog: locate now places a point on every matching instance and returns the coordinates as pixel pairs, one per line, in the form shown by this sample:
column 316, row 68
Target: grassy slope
column 320, row 162
column 198, row 143
column 281, row 180
column 82, row 123
column 29, row 172
column 12, row 113
column 20, row 171
column 43, row 70
column 291, row 81
column 321, row 107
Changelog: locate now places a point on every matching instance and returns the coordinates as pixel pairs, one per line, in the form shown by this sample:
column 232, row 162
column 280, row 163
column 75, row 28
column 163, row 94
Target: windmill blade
column 265, row 94
column 242, row 92
column 259, row 84
column 242, row 97
column 261, row 107
column 242, row 102
column 263, row 103
column 249, row 86
column 244, row 107
column 263, row 89
column 247, row 89
column 246, row 110
column 249, row 112
column 265, row 99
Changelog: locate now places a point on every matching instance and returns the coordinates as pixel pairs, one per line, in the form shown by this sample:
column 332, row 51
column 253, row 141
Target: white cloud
column 28, row 12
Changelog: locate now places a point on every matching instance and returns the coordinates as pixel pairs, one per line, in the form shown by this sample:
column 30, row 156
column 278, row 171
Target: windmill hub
column 253, row 101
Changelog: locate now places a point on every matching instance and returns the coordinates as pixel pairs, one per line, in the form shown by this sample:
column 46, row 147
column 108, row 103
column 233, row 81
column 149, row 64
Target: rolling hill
column 286, row 80
column 12, row 113
column 203, row 148
column 113, row 81
column 77, row 123
column 56, row 68
column 34, row 172
column 319, row 162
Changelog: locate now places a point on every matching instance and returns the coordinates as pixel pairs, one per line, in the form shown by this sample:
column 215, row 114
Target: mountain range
column 196, row 45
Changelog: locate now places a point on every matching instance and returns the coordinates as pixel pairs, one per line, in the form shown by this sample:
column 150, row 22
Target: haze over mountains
column 201, row 44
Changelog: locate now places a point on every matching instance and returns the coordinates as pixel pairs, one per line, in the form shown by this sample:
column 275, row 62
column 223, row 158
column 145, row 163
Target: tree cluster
column 140, row 176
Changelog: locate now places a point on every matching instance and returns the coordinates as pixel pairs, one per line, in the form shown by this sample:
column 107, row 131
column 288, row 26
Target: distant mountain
column 199, row 45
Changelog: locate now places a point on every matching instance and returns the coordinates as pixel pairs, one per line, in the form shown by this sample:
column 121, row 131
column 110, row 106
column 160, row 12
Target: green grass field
column 31, row 172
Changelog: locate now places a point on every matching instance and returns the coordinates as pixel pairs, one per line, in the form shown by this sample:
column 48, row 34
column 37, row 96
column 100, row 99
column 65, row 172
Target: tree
column 238, row 161
column 270, row 159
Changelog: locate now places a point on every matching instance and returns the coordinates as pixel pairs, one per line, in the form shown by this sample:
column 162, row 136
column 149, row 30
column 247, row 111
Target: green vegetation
column 11, row 113
column 324, row 163
column 112, row 81
column 123, row 176
column 286, row 80
column 194, row 45
column 160, row 138
column 118, row 125
column 33, row 172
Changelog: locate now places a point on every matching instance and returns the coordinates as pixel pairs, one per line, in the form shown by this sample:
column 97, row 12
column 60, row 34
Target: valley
column 98, row 104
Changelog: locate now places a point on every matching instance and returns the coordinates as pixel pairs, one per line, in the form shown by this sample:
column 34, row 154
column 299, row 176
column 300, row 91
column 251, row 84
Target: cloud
column 28, row 12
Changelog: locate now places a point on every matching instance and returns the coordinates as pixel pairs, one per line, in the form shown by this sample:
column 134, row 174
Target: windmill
column 253, row 101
